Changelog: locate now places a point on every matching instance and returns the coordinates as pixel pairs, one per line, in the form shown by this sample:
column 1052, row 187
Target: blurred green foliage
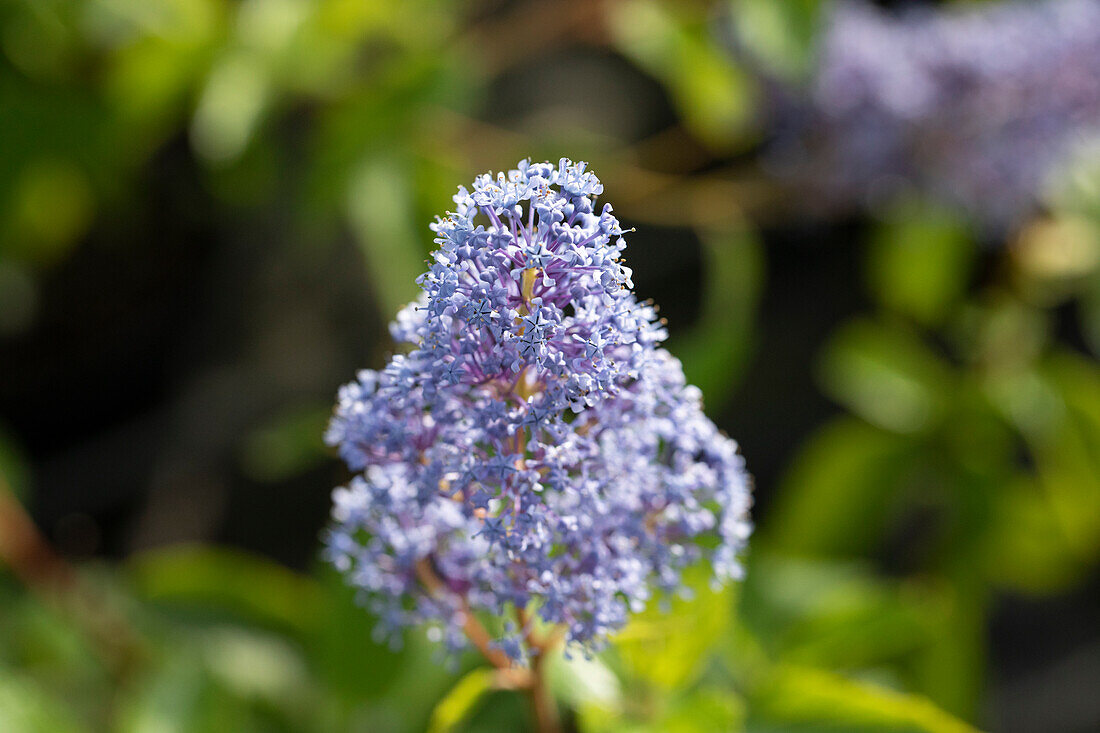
column 959, row 398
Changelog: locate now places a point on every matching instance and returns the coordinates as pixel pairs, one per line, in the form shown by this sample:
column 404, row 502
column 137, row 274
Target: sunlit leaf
column 714, row 96
column 842, row 617
column 253, row 664
column 919, row 261
column 670, row 648
column 803, row 698
column 1056, row 408
column 707, row 708
column 457, row 704
column 1054, row 258
column 378, row 204
column 1075, row 189
column 1026, row 528
column 148, row 77
column 230, row 108
column 782, row 34
column 177, row 696
column 886, row 375
column 26, row 708
column 1068, row 458
column 583, row 683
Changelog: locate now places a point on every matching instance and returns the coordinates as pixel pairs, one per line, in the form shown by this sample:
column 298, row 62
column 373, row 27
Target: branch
column 45, row 573
column 26, row 551
column 475, row 632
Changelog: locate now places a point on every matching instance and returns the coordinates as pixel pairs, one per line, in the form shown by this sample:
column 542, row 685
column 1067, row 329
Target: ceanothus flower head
column 981, row 106
column 534, row 448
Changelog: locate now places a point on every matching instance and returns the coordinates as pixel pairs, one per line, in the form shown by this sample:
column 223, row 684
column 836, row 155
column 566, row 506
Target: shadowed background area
column 875, row 235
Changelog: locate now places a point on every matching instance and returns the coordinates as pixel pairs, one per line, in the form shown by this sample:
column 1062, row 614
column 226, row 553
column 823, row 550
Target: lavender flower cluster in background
column 535, row 448
column 980, row 106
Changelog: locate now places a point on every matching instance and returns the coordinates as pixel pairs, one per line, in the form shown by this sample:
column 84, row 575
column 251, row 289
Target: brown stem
column 532, row 681
column 475, row 632
column 542, row 702
column 45, row 573
column 25, row 550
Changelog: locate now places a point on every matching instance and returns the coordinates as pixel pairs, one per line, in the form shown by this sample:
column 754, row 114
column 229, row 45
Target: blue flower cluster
column 980, row 107
column 535, row 449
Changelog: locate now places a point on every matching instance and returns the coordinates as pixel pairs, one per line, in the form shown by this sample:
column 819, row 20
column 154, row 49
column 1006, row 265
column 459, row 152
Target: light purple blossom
column 535, row 447
column 980, row 106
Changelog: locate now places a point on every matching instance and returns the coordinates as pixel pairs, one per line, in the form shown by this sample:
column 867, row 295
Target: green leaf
column 782, row 34
column 1002, row 332
column 887, row 376
column 950, row 671
column 372, row 686
column 1055, row 405
column 670, row 648
column 840, row 616
column 803, row 696
column 26, row 708
column 919, row 261
column 714, row 96
column 254, row 664
column 838, row 490
column 177, row 696
column 248, row 585
column 1027, row 528
column 715, row 351
column 236, row 96
column 836, row 614
column 1089, row 308
column 379, row 207
column 204, row 679
column 54, row 205
column 350, row 663
column 1076, row 188
column 288, row 445
column 46, row 642
column 583, row 683
column 1067, row 458
column 459, row 703
column 706, row 708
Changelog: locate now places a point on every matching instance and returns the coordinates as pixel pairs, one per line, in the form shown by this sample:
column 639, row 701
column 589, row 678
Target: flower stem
column 542, row 702
column 47, row 575
column 532, row 681
column 473, row 629
column 26, row 552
